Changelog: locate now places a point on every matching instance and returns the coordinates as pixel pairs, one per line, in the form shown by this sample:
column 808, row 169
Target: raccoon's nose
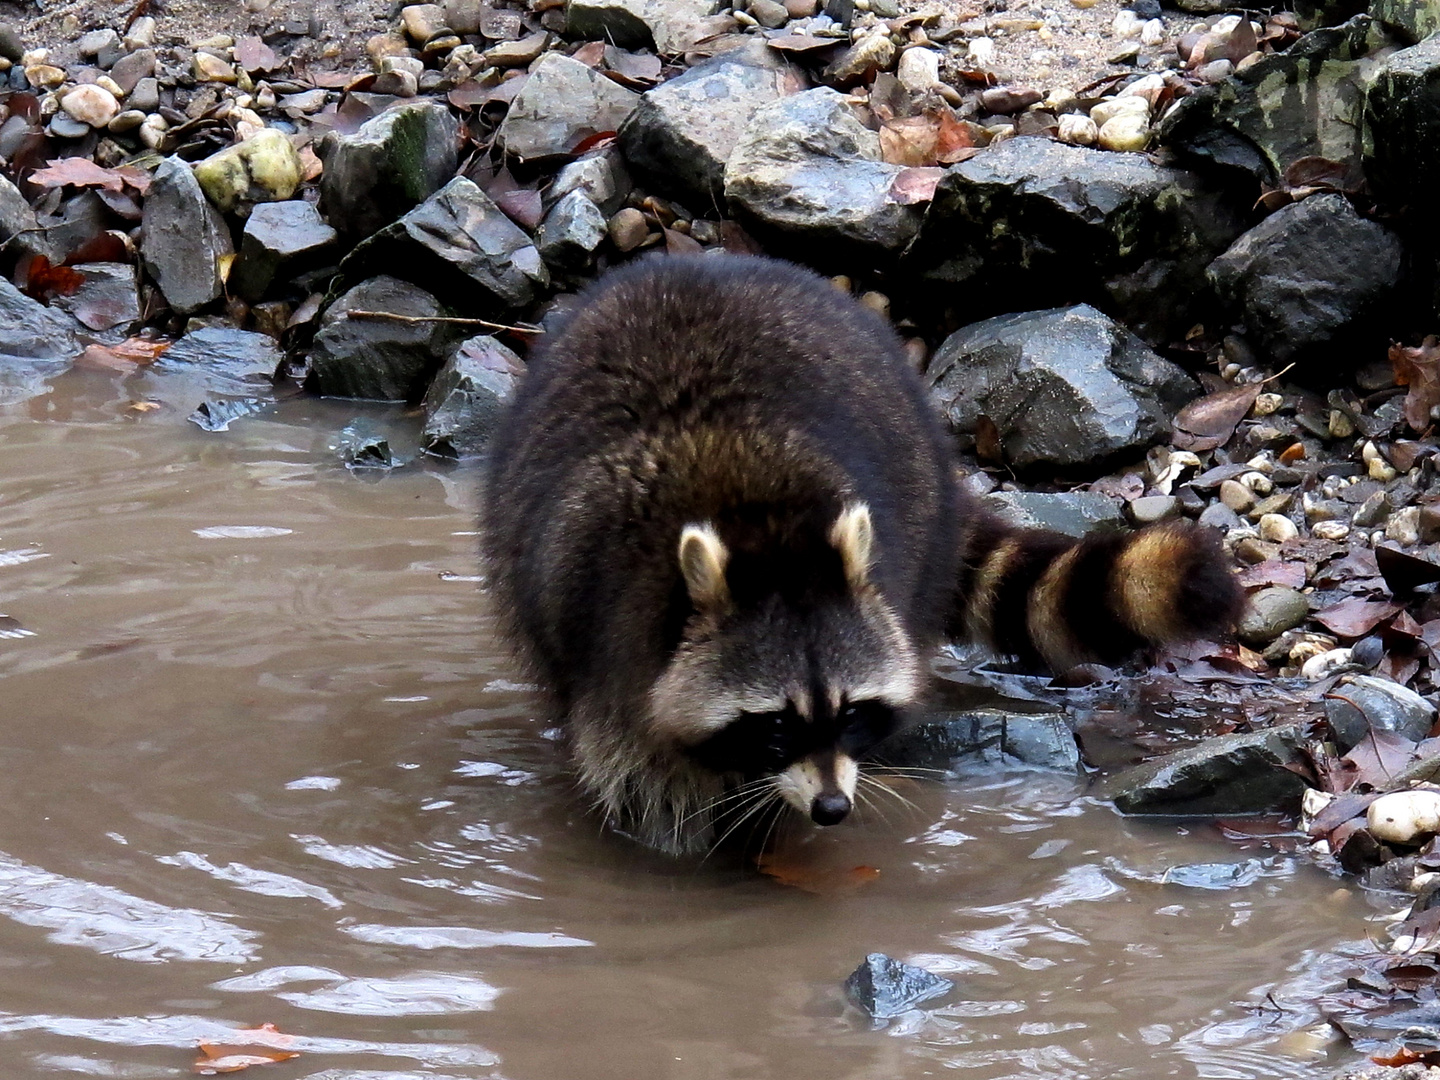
column 829, row 808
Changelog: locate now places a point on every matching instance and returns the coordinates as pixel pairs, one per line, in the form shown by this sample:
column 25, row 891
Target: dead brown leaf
column 44, row 282
column 78, row 172
column 264, row 1045
column 1274, row 572
column 821, row 881
column 914, row 185
column 987, row 441
column 1354, row 617
column 254, row 55
column 1210, row 421
column 1419, row 369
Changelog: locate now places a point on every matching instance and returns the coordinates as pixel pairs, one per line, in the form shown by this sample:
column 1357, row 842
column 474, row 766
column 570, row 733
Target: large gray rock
column 684, row 130
column 280, row 237
column 184, row 238
column 19, row 228
column 808, row 170
column 571, row 233
column 562, row 103
column 1074, row 513
column 459, row 245
column 33, row 331
column 1402, row 116
column 600, row 175
column 984, row 738
column 667, row 26
column 465, row 401
column 1229, row 774
column 1411, row 19
column 379, row 359
column 395, row 161
column 1079, row 224
column 1304, row 102
column 1310, row 275
column 1065, row 387
column 108, row 297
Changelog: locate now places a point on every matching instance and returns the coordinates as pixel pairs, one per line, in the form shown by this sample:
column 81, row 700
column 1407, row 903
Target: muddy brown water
column 265, row 762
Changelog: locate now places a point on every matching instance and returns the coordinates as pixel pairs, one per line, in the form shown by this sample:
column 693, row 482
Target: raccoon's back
column 678, row 390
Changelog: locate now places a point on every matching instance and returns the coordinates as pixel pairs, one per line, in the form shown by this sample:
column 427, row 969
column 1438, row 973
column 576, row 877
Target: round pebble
column 801, row 9
column 1403, row 526
column 210, row 68
column 769, row 13
column 919, row 69
column 1078, row 130
column 90, row 104
column 44, row 76
column 1110, row 108
column 1152, row 33
column 1277, row 528
column 877, row 302
column 1330, row 530
column 125, row 121
column 628, row 229
column 1236, row 496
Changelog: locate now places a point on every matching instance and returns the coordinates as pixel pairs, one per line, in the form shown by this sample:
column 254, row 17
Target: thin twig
column 450, row 320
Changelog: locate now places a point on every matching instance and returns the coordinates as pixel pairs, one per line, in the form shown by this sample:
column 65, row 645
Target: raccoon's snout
column 830, row 808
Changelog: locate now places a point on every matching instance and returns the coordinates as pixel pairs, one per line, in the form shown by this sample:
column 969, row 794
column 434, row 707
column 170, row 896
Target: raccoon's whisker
column 780, row 805
column 879, row 768
column 869, row 804
column 757, row 803
column 740, row 792
column 876, row 785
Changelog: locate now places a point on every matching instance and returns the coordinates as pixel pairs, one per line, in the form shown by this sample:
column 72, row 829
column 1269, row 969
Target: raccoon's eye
column 863, row 724
column 753, row 743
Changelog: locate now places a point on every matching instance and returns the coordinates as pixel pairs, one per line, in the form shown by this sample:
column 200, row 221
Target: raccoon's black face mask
column 795, row 684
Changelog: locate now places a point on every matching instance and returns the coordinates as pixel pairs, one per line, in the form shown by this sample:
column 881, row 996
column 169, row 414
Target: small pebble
column 1403, row 526
column 141, row 34
column 628, row 229
column 1127, row 24
column 1330, row 530
column 982, row 52
column 1215, row 71
column 1145, row 9
column 90, row 104
column 210, row 68
column 1276, row 528
column 1110, row 108
column 1325, row 664
column 1125, row 133
column 769, row 13
column 1152, row 33
column 44, row 76
column 1375, row 463
column 802, row 9
column 1151, row 508
column 1340, row 425
column 125, row 121
column 1236, row 496
column 422, row 21
column 877, row 302
column 919, row 69
column 1077, row 130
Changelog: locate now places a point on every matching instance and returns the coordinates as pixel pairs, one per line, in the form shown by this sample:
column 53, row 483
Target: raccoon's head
column 791, row 667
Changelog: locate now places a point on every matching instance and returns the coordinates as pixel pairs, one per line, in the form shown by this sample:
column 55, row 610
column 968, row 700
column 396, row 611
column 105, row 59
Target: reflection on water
column 264, row 762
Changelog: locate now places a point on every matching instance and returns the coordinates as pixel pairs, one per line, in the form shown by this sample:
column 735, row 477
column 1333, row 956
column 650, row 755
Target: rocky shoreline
column 1199, row 284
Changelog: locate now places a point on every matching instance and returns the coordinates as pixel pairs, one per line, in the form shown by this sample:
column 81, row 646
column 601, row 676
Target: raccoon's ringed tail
column 1145, row 583
column 1045, row 621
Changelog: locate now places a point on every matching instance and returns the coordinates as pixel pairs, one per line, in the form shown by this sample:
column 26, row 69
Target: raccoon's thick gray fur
column 725, row 530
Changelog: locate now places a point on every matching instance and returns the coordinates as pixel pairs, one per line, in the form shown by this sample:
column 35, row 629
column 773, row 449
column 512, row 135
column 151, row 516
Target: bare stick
column 449, row 320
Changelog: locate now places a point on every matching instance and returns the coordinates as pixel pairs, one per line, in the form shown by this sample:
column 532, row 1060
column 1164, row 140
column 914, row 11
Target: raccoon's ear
column 702, row 561
column 854, row 537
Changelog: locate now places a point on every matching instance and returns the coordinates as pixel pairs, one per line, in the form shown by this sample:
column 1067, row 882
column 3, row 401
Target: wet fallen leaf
column 1380, row 757
column 594, row 141
column 143, row 406
column 1210, row 421
column 1405, row 1056
column 822, row 881
column 264, row 1045
column 43, row 281
column 909, row 140
column 914, row 185
column 124, row 357
column 591, row 54
column 987, row 441
column 108, row 246
column 801, row 43
column 524, row 206
column 1274, row 572
column 82, row 172
column 1418, row 368
column 1354, row 617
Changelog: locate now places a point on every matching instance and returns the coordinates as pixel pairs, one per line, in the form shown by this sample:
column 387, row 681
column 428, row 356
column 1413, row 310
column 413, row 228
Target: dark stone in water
column 220, row 414
column 1222, row 875
column 1230, row 774
column 984, row 737
column 31, row 330
column 464, row 403
column 363, row 445
column 885, row 987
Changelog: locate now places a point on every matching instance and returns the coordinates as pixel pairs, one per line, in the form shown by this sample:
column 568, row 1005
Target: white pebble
column 1375, row 463
column 982, row 51
column 1330, row 530
column 1403, row 526
column 919, row 69
column 91, row 104
column 1325, row 664
column 1125, row 133
column 1152, row 33
column 1258, row 482
column 1402, row 817
column 1226, row 24
column 1127, row 24
column 1110, row 108
column 1277, row 528
column 1078, row 130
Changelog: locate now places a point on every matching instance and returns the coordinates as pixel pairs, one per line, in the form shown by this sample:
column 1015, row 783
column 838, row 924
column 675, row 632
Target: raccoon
column 726, row 530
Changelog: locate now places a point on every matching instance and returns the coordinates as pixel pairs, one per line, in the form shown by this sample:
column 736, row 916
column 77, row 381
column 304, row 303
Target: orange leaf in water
column 264, row 1045
column 820, row 880
column 125, row 357
column 43, row 281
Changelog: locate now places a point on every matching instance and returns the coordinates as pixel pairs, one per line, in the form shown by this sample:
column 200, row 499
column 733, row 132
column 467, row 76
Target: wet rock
column 1065, row 387
column 1363, row 703
column 19, row 224
column 1229, row 774
column 1074, row 513
column 885, row 988
column 225, row 353
column 684, row 131
column 667, row 26
column 1413, row 20
column 808, row 170
column 1309, row 276
column 219, row 414
column 600, row 176
column 364, row 444
column 563, row 103
column 108, row 297
column 280, row 238
column 451, row 243
column 571, row 233
column 984, row 737
column 1402, row 115
column 184, row 238
column 1304, row 102
column 395, row 161
column 380, row 359
column 32, row 330
column 1404, row 817
column 1271, row 612
column 263, row 168
column 465, row 401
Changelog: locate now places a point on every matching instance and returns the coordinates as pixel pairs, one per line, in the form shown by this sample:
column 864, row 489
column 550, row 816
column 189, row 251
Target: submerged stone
column 219, row 414
column 364, row 445
column 1245, row 773
column 885, row 987
column 33, row 331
